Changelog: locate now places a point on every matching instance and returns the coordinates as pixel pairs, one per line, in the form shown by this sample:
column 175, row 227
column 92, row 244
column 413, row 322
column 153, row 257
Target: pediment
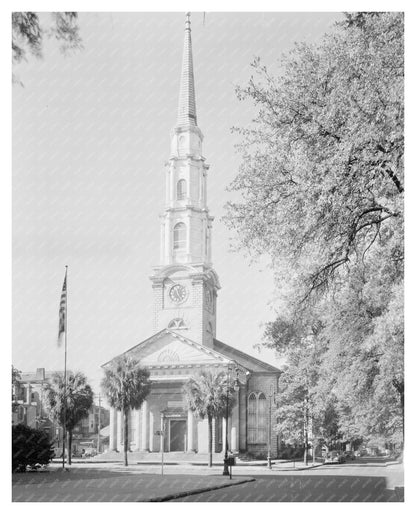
column 169, row 347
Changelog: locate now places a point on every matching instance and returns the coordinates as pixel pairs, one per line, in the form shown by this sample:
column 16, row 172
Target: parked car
column 334, row 457
column 360, row 453
column 349, row 455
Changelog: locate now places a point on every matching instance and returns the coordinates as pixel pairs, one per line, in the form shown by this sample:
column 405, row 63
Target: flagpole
column 66, row 342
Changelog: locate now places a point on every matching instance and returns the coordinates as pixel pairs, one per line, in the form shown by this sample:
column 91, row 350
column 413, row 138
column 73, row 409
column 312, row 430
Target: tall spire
column 187, row 105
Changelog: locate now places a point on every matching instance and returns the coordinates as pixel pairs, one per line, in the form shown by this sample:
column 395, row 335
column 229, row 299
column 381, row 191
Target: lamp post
column 226, row 471
column 99, row 423
column 269, row 438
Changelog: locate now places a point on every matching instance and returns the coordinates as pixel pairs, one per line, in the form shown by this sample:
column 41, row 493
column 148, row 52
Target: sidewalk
column 242, row 469
column 152, row 460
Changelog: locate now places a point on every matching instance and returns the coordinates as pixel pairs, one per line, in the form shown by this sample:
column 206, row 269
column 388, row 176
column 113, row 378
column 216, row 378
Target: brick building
column 28, row 408
column 185, row 287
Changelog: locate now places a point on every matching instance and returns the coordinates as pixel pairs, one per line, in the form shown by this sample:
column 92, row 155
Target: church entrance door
column 177, row 435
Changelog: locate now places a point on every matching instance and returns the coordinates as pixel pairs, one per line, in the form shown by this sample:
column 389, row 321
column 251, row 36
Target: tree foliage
column 125, row 385
column 209, row 395
column 68, row 405
column 321, row 189
column 28, row 33
column 322, row 172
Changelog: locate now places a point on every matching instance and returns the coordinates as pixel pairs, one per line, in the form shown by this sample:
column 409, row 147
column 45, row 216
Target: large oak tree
column 321, row 189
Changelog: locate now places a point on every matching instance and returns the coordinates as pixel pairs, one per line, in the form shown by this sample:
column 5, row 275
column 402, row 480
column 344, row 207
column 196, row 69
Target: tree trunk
column 210, row 441
column 126, row 433
column 69, row 445
column 305, row 455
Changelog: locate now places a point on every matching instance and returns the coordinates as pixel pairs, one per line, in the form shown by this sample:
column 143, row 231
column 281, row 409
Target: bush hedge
column 29, row 447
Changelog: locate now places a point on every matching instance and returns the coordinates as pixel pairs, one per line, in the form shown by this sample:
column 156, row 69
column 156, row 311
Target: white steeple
column 186, row 224
column 185, row 285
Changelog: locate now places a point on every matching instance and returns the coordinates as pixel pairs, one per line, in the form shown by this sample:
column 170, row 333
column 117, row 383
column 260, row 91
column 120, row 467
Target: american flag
column 62, row 313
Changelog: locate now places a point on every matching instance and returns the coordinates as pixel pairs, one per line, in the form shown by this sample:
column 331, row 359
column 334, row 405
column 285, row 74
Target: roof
column 205, row 349
column 249, row 362
column 222, row 352
column 40, row 375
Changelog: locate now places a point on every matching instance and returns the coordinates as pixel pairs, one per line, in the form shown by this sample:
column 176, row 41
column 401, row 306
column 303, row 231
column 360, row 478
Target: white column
column 120, row 428
column 188, row 239
column 205, row 188
column 113, row 429
column 167, row 178
column 145, row 435
column 137, row 429
column 201, row 188
column 162, row 437
column 204, row 240
column 209, row 241
column 151, row 431
column 172, row 185
column 168, row 239
column 191, row 418
column 224, row 433
column 203, row 436
column 235, row 423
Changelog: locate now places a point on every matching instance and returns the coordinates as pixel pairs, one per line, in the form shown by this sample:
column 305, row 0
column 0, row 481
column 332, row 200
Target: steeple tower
column 187, row 104
column 185, row 283
column 186, row 225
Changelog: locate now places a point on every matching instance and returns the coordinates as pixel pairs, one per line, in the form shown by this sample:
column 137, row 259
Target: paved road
column 369, row 481
column 360, row 481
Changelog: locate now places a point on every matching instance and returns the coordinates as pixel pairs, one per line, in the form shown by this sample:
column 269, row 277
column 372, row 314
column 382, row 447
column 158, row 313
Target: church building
column 185, row 291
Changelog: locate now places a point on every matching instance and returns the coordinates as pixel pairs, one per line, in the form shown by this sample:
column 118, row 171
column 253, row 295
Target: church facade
column 185, row 287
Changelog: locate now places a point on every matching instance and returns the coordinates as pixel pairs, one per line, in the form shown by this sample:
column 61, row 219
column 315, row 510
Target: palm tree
column 68, row 406
column 210, row 395
column 126, row 385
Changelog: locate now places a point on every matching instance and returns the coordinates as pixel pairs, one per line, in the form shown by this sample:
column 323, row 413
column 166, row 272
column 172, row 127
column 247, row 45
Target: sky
column 90, row 136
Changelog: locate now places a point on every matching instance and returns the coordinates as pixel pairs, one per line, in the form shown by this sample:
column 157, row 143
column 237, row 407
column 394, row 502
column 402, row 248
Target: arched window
column 181, row 189
column 252, row 418
column 261, row 418
column 177, row 323
column 257, row 418
column 179, row 236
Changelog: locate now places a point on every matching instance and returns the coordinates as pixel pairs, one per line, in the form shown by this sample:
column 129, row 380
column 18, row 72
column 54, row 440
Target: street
column 365, row 480
column 368, row 480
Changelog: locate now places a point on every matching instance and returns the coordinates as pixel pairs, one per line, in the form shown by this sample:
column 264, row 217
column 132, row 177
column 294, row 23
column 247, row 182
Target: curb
column 393, row 463
column 305, row 468
column 174, row 496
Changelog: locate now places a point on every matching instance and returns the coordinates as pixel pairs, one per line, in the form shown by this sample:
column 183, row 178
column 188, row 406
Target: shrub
column 29, row 447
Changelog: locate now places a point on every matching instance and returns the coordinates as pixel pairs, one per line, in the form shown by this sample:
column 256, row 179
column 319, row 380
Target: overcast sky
column 91, row 134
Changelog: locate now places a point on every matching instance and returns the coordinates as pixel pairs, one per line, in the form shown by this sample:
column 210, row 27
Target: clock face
column 177, row 293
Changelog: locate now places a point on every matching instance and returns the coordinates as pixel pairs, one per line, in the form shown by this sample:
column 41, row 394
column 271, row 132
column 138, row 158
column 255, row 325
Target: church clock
column 178, row 293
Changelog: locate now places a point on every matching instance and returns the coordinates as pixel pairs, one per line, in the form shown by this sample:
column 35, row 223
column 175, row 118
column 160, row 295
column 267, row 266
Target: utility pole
column 99, row 423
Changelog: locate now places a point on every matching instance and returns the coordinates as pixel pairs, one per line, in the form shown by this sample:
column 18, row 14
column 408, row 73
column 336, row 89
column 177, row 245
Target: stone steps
column 168, row 457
